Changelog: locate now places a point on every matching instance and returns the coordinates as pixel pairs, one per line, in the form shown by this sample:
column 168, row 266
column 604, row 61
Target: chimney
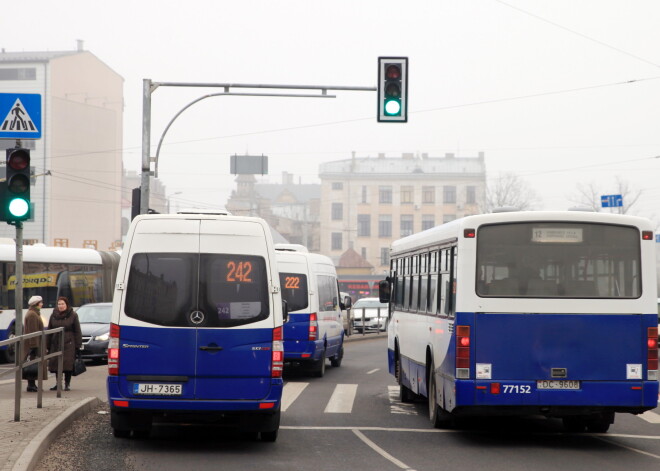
column 481, row 156
column 408, row 155
column 80, row 43
column 381, row 156
column 449, row 155
column 287, row 178
column 425, row 155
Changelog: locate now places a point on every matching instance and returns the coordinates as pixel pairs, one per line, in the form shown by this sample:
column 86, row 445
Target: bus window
column 294, row 290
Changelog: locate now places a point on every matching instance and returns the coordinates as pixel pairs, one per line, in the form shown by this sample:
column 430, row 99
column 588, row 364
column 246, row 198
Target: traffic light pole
column 18, row 324
column 148, row 87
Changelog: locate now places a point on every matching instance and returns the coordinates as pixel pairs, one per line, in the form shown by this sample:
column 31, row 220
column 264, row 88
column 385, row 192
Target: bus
column 526, row 313
column 82, row 275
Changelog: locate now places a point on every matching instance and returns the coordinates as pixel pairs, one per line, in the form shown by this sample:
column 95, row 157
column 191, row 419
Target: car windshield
column 368, row 303
column 94, row 314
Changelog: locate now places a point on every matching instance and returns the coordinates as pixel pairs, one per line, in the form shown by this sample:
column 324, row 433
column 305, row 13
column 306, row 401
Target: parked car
column 95, row 325
column 369, row 314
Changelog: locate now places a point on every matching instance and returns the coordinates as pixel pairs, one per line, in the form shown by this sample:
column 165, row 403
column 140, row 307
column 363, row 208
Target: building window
column 471, row 195
column 428, row 194
column 448, row 218
column 364, row 225
column 407, row 193
column 384, row 256
column 428, row 221
column 337, row 185
column 365, row 195
column 449, row 194
column 336, row 241
column 22, row 73
column 406, row 224
column 337, row 211
column 385, row 225
column 385, row 194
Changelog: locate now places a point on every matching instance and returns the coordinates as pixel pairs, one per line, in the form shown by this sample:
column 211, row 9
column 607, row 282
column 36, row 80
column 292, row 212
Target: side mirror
column 384, row 291
column 285, row 311
column 348, row 302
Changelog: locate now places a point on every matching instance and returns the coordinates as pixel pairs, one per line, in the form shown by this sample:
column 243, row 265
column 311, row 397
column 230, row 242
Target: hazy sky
column 542, row 87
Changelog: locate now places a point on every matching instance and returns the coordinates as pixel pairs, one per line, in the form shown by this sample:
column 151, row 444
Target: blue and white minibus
column 196, row 327
column 314, row 331
column 526, row 313
column 82, row 275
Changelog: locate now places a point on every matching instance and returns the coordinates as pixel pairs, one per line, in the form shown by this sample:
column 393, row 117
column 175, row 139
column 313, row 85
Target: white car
column 369, row 314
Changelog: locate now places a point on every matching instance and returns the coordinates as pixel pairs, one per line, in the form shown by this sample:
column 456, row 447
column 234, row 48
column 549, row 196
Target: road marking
column 380, row 451
column 372, row 429
column 650, row 417
column 398, row 407
column 373, row 371
column 629, row 448
column 342, row 399
column 290, row 393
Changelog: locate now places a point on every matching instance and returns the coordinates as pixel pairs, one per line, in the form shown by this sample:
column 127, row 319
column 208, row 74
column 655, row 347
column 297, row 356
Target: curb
column 32, row 453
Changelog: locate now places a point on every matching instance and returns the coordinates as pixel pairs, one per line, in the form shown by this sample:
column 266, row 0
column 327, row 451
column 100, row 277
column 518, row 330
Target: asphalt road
column 352, row 419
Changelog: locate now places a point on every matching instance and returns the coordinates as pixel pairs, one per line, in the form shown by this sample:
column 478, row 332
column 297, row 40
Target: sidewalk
column 23, row 443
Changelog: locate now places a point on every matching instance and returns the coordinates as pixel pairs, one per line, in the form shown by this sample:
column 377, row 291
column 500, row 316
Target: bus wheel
column 574, row 424
column 10, row 352
column 435, row 414
column 601, row 423
column 405, row 394
column 336, row 360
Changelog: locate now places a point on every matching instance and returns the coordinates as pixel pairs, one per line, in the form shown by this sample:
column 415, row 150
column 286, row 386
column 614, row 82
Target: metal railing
column 359, row 322
column 21, row 362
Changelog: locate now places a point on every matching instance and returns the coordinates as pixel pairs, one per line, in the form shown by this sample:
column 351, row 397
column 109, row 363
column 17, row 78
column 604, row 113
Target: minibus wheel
column 336, row 360
column 318, row 367
column 269, row 436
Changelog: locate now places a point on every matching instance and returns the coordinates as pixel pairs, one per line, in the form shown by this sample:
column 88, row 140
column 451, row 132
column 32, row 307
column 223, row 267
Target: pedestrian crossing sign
column 20, row 116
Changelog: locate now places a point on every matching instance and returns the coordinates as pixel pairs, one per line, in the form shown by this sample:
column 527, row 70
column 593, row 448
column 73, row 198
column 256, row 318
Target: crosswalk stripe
column 341, row 401
column 651, row 417
column 291, row 392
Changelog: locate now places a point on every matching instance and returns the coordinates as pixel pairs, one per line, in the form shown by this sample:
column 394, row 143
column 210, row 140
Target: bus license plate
column 557, row 384
column 158, row 389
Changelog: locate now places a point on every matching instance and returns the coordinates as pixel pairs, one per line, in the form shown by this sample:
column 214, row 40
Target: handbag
column 78, row 366
column 31, row 371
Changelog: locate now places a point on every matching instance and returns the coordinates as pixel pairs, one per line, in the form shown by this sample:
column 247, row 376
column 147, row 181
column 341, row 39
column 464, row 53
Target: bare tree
column 589, row 195
column 510, row 190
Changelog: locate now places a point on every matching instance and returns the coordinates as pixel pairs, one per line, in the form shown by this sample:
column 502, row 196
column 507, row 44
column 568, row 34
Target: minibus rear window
column 294, row 290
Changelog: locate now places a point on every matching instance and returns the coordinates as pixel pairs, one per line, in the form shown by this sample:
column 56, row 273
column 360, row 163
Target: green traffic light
column 18, row 207
column 392, row 107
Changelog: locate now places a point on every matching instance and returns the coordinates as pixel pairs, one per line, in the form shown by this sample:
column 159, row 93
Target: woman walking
column 34, row 323
column 64, row 316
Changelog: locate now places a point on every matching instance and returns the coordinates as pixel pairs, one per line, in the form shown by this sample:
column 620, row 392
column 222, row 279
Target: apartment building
column 367, row 202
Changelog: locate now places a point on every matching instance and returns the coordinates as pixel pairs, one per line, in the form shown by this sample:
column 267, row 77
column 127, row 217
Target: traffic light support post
column 149, row 87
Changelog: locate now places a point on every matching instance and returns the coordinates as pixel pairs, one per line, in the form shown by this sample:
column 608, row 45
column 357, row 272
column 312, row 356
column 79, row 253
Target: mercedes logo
column 197, row 317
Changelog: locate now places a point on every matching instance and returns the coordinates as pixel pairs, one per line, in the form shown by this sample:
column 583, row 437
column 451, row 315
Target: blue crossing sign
column 611, row 201
column 20, row 116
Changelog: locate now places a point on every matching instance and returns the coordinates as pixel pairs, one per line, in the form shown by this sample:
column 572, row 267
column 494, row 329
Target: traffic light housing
column 393, row 89
column 16, row 198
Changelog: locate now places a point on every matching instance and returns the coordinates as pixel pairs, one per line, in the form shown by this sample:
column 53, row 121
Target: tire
column 269, row 436
column 405, row 394
column 318, row 368
column 574, row 424
column 434, row 412
column 601, row 423
column 9, row 353
column 121, row 433
column 336, row 360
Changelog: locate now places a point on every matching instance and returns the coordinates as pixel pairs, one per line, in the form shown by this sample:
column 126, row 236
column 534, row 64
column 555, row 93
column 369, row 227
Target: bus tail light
column 652, row 355
column 462, row 351
column 313, row 326
column 277, row 363
column 113, row 351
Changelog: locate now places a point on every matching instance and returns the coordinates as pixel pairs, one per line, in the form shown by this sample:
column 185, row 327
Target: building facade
column 77, row 186
column 369, row 202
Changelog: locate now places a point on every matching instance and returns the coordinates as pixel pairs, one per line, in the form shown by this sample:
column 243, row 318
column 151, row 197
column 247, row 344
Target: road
column 352, row 419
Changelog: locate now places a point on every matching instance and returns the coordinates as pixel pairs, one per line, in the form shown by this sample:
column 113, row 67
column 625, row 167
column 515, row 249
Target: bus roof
column 51, row 254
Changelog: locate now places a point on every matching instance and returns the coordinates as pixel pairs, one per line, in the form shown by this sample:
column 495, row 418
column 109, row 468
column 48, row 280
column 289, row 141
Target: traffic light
column 393, row 89
column 16, row 201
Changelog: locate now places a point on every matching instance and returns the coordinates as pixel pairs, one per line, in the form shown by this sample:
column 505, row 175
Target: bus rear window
column 294, row 290
column 558, row 260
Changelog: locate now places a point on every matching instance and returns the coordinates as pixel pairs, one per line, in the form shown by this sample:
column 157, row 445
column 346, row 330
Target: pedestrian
column 64, row 316
column 33, row 323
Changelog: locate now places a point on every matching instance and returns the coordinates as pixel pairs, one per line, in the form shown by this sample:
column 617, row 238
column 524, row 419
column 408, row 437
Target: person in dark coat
column 33, row 323
column 64, row 316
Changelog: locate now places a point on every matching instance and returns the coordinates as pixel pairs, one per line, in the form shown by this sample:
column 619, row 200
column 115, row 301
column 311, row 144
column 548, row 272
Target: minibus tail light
column 313, row 326
column 462, row 351
column 277, row 362
column 652, row 355
column 113, row 351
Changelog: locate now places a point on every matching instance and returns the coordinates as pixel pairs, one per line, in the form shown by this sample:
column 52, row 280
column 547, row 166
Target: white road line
column 650, row 417
column 291, row 392
column 629, row 448
column 380, row 451
column 373, row 371
column 341, row 401
column 373, row 429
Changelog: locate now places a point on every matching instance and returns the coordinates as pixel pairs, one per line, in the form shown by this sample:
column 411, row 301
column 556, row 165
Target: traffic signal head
column 393, row 89
column 17, row 187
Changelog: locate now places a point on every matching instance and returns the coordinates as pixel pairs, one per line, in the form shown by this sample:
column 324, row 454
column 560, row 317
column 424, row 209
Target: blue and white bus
column 82, row 275
column 527, row 313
